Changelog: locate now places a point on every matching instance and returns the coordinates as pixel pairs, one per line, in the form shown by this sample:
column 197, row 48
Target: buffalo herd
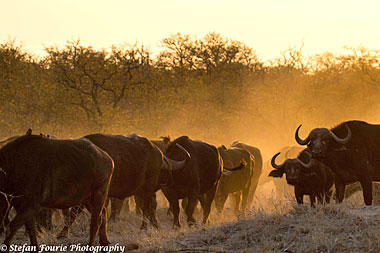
column 39, row 174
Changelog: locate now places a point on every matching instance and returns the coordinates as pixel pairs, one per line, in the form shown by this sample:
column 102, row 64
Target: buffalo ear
column 276, row 173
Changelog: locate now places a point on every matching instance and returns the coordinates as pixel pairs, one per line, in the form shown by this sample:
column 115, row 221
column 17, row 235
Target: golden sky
column 268, row 26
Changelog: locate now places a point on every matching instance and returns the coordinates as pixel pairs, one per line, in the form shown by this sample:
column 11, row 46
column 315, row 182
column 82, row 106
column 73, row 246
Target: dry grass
column 272, row 226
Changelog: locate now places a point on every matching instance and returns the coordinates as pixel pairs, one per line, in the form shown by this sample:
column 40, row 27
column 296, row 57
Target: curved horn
column 165, row 164
column 344, row 140
column 177, row 165
column 298, row 139
column 227, row 173
column 242, row 164
column 273, row 162
column 287, row 153
column 187, row 154
column 306, row 165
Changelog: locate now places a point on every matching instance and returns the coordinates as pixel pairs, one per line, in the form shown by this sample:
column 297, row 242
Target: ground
column 272, row 225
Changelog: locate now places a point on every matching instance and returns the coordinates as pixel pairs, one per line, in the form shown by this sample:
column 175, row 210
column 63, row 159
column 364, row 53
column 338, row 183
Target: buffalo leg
column 244, row 200
column 30, row 226
column 49, row 219
column 138, row 204
column 174, row 206
column 184, row 203
column 145, row 212
column 22, row 217
column 237, row 197
column 126, row 204
column 320, row 198
column 219, row 201
column 103, row 237
column 69, row 216
column 299, row 195
column 328, row 196
column 367, row 191
column 312, row 200
column 44, row 219
column 5, row 207
column 340, row 190
column 5, row 221
column 97, row 204
column 192, row 202
column 206, row 205
column 116, row 206
column 252, row 186
column 149, row 207
column 152, row 211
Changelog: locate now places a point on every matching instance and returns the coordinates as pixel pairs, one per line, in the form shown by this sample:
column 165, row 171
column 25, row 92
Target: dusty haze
column 212, row 89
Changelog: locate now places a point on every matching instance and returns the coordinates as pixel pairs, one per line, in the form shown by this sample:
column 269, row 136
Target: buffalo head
column 321, row 140
column 294, row 169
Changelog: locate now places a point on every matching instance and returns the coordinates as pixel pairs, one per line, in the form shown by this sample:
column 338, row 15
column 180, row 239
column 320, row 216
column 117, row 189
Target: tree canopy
column 212, row 88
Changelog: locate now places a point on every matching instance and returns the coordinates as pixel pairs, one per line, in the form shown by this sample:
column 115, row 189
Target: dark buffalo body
column 140, row 168
column 137, row 164
column 237, row 183
column 117, row 204
column 54, row 174
column 137, row 168
column 257, row 167
column 198, row 180
column 307, row 175
column 44, row 217
column 351, row 150
column 6, row 141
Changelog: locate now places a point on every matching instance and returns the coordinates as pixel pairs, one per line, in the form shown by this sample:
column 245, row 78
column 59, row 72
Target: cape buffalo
column 140, row 168
column 197, row 181
column 238, row 183
column 282, row 189
column 42, row 172
column 351, row 150
column 257, row 167
column 308, row 176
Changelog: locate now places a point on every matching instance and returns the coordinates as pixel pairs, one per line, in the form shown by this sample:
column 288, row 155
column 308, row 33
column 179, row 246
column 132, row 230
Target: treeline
column 211, row 88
